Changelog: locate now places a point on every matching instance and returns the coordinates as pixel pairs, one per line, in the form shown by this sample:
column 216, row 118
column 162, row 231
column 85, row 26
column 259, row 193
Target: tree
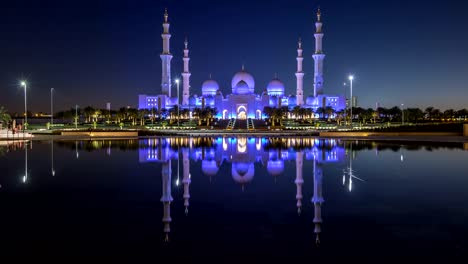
column 329, row 111
column 449, row 114
column 320, row 111
column 297, row 111
column 4, row 116
column 88, row 113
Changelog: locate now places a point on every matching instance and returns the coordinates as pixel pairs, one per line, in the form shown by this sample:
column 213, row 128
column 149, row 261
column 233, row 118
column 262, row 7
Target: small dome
column 209, row 87
column 243, row 76
column 275, row 87
column 209, row 167
column 241, row 88
column 275, row 167
column 242, row 172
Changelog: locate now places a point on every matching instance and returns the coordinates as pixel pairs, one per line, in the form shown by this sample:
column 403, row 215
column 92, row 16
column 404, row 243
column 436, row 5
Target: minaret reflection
column 299, row 180
column 186, row 179
column 166, row 198
column 317, row 200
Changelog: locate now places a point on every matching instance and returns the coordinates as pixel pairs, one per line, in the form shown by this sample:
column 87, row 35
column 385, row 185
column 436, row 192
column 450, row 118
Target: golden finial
column 186, row 42
column 165, row 15
column 300, row 43
column 243, row 67
column 319, row 14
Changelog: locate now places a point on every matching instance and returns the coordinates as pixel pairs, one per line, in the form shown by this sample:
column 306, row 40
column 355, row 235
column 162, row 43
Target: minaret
column 317, row 200
column 186, row 76
column 299, row 76
column 318, row 57
column 299, row 180
column 186, row 179
column 166, row 198
column 166, row 58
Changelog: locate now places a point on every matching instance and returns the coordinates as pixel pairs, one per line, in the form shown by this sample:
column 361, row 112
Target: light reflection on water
column 244, row 159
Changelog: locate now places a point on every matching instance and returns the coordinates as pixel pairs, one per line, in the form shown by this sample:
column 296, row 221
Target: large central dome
column 243, row 76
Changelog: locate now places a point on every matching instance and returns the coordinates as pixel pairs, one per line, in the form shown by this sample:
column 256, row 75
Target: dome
column 275, row 87
column 241, row 88
column 209, row 87
column 242, row 172
column 275, row 167
column 209, row 167
column 243, row 76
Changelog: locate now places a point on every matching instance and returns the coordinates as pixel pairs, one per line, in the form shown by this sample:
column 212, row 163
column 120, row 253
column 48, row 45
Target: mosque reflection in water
column 241, row 154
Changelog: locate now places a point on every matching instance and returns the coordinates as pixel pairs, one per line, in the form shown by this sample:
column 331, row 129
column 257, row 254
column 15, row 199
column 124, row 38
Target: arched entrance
column 259, row 114
column 242, row 112
column 225, row 114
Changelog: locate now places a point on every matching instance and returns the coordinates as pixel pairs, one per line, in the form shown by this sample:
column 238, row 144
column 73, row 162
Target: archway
column 225, row 114
column 259, row 114
column 242, row 112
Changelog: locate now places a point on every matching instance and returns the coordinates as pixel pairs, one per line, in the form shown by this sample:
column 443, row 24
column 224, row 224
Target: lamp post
column 51, row 107
column 351, row 78
column 402, row 115
column 76, row 116
column 178, row 104
column 25, row 85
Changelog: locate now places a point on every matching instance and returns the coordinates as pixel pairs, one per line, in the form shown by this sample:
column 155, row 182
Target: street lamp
column 402, row 115
column 25, row 85
column 51, row 107
column 351, row 78
column 76, row 116
column 178, row 104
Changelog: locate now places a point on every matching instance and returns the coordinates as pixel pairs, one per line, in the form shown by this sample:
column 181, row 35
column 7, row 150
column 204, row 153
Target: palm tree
column 320, row 111
column 268, row 111
column 88, row 113
column 429, row 110
column 297, row 111
column 329, row 111
column 462, row 114
column 449, row 114
column 4, row 116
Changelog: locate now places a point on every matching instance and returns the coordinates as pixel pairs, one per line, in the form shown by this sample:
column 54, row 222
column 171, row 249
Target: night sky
column 93, row 52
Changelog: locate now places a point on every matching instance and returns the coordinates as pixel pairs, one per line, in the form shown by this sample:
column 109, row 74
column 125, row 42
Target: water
column 232, row 200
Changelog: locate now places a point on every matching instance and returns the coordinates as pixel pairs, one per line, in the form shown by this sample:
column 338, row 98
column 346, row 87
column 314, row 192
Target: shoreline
column 381, row 136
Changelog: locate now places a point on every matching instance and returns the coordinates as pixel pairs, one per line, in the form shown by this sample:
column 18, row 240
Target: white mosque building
column 243, row 102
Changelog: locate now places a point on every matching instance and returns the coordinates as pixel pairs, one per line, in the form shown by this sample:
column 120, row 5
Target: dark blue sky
column 93, row 52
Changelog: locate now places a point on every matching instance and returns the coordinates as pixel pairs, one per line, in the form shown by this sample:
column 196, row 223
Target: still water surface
column 240, row 198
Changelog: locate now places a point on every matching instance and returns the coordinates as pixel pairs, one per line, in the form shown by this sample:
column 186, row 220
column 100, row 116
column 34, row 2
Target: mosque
column 243, row 102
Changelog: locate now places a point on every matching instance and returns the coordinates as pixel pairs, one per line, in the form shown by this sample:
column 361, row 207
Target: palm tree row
column 381, row 114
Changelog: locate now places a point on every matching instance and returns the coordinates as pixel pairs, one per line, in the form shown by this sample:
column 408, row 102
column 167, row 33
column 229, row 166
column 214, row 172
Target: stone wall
column 101, row 134
column 388, row 134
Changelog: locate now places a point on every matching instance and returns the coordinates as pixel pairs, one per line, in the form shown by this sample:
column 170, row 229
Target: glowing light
column 177, row 182
column 23, row 83
column 177, row 81
column 351, row 77
column 24, row 179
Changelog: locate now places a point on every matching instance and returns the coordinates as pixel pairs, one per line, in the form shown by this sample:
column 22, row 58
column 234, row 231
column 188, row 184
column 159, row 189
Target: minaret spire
column 186, row 75
column 299, row 75
column 318, row 56
column 166, row 58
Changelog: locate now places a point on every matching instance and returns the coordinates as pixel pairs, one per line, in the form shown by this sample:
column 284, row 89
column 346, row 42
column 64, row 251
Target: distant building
column 243, row 102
